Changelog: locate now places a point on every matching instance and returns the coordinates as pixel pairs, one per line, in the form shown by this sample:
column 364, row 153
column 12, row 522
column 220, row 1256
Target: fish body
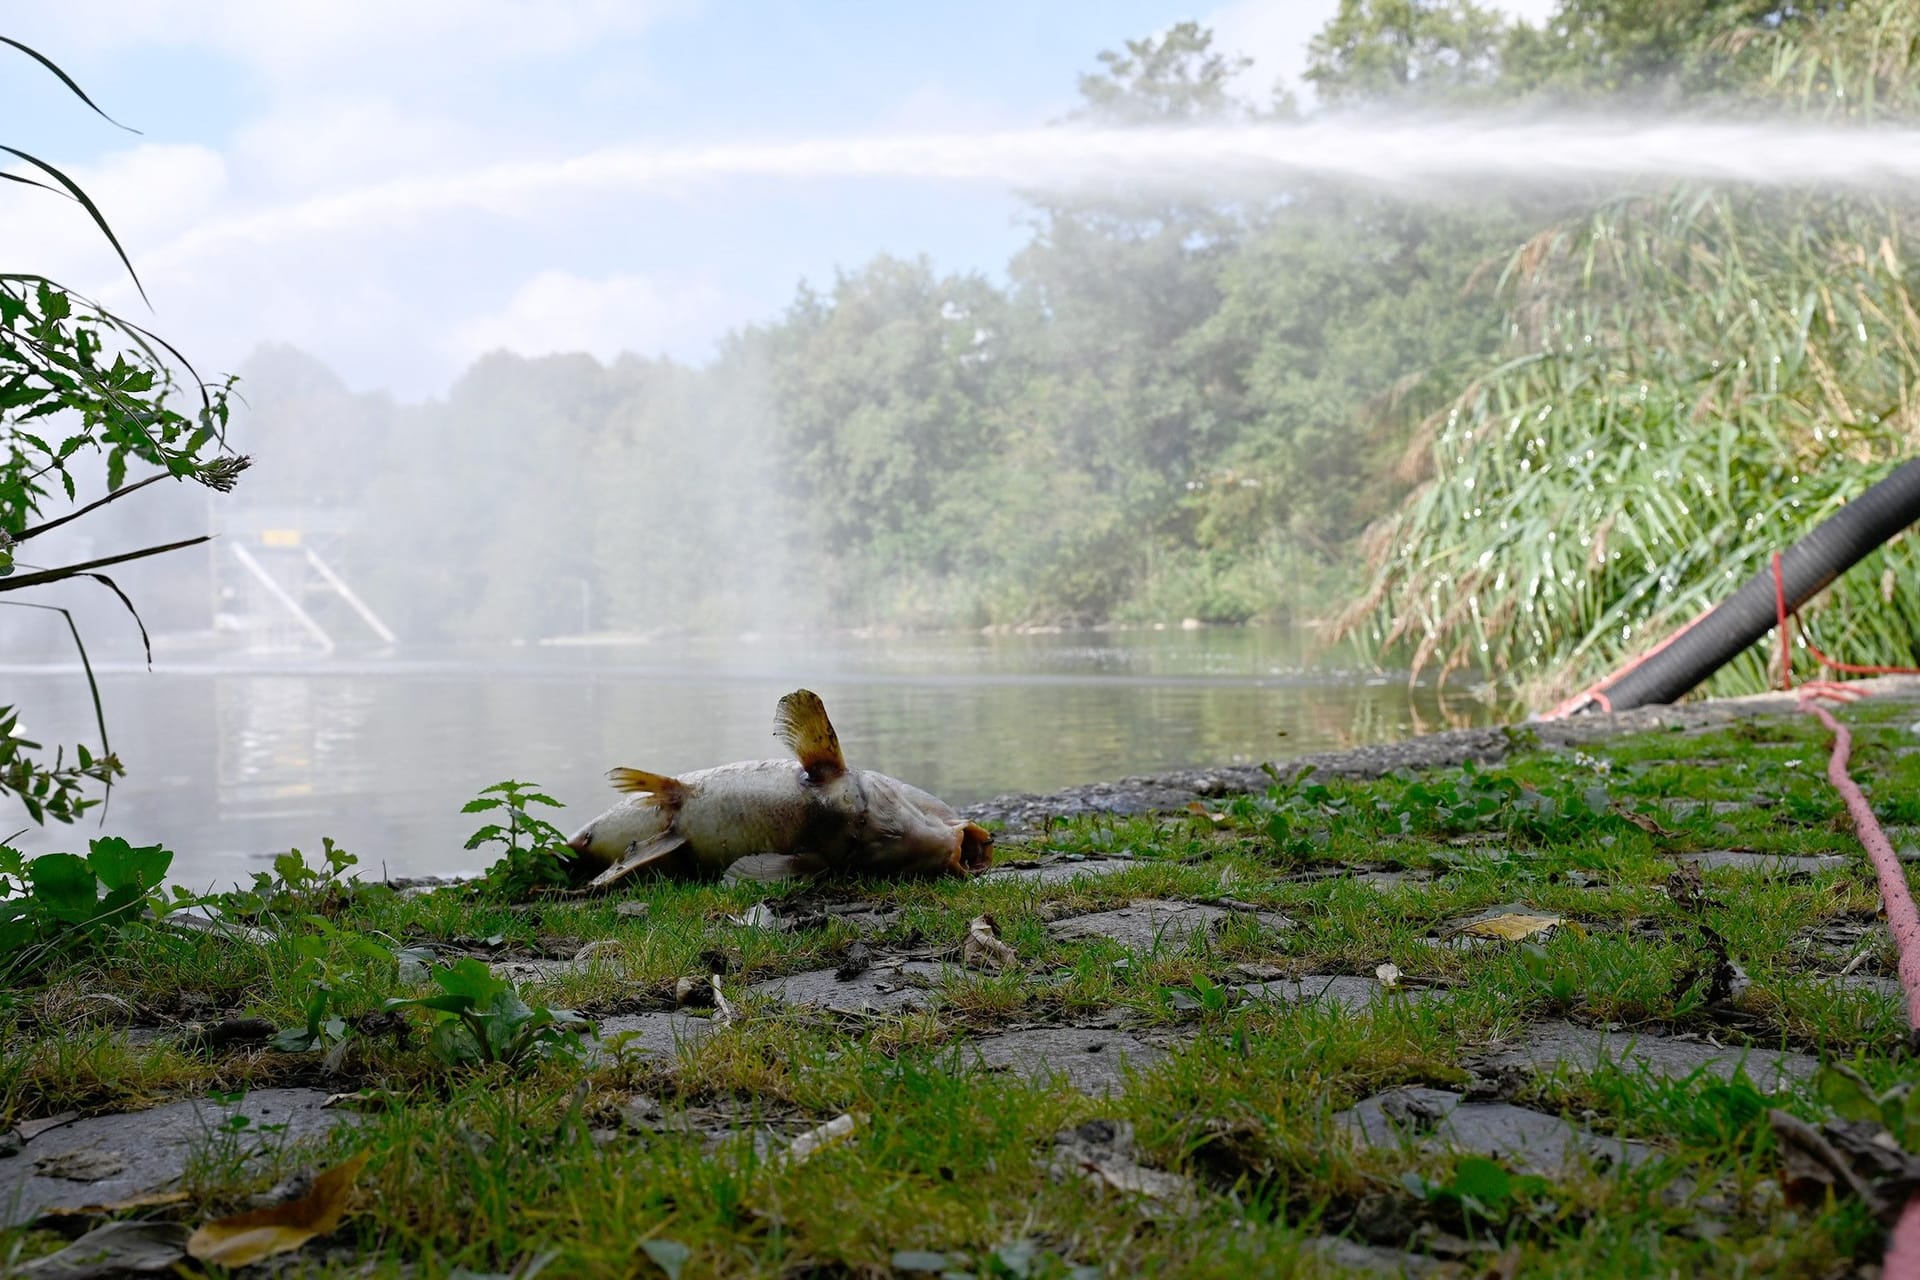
column 804, row 816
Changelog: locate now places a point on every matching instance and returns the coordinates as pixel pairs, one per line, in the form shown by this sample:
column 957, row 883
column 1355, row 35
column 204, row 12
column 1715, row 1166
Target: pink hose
column 1902, row 1261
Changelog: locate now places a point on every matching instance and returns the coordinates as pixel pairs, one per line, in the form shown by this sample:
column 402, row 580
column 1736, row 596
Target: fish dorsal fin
column 667, row 790
column 801, row 722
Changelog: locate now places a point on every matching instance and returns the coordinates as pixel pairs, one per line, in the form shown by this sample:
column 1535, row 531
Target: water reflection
column 229, row 763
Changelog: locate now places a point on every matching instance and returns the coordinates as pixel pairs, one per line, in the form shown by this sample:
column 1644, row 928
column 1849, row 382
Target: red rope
column 1783, row 622
column 1902, row 1261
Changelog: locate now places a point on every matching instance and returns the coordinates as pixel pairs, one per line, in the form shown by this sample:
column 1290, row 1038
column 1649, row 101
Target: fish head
column 908, row 832
column 976, row 847
column 629, row 826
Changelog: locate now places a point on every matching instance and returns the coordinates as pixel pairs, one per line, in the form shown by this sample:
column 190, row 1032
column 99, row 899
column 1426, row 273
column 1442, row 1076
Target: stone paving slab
column 1347, row 991
column 1058, row 870
column 1092, row 1061
column 1151, row 922
column 881, row 988
column 653, row 1035
column 1547, row 1045
column 1437, row 1120
column 116, row 1157
column 1764, row 863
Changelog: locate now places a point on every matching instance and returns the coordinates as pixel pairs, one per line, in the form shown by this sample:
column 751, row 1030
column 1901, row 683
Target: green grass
column 483, row 1168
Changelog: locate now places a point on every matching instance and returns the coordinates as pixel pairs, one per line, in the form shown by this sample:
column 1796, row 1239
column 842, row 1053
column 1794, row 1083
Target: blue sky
column 386, row 183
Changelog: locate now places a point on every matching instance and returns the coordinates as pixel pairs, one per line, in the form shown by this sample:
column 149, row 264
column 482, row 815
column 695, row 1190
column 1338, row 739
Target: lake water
column 230, row 762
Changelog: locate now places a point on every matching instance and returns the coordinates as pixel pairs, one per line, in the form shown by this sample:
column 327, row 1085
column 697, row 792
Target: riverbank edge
column 1021, row 813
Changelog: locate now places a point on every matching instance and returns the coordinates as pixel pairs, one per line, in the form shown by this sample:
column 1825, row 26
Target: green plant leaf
column 64, row 884
column 119, row 864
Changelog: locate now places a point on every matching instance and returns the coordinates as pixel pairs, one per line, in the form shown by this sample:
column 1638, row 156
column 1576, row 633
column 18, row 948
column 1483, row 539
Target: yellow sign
column 280, row 537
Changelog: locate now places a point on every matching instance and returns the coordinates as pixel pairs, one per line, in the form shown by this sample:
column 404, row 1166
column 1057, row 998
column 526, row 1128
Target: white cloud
column 299, row 44
column 557, row 311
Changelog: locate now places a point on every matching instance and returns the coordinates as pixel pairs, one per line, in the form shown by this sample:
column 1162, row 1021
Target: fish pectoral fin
column 668, row 790
column 801, row 722
column 763, row 867
column 639, row 855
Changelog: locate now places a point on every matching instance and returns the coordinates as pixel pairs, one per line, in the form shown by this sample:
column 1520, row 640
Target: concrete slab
column 1764, row 863
column 1529, row 1141
column 1154, row 922
column 1344, row 990
column 1551, row 1044
column 1092, row 1061
column 103, row 1159
column 880, row 988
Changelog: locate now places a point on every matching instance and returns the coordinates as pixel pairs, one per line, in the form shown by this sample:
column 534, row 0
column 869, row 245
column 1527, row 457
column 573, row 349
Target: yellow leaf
column 1512, row 927
column 248, row 1237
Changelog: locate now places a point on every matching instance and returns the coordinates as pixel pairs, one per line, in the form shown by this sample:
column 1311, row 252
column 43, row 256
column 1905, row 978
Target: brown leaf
column 115, row 1250
column 146, row 1200
column 1845, row 1158
column 1645, row 823
column 983, row 948
column 248, row 1237
column 1511, row 927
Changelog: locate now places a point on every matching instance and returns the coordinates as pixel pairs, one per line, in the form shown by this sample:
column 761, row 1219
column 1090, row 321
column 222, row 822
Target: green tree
column 1377, row 50
column 1175, row 78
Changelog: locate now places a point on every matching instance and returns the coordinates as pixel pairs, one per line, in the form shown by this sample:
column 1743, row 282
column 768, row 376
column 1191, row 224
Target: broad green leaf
column 119, row 864
column 64, row 884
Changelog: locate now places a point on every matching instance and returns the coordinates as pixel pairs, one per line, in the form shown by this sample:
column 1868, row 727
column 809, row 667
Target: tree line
column 1231, row 410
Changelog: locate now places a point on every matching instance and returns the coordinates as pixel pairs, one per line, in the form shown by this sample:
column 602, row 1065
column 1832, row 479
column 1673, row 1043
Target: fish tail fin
column 801, row 722
column 667, row 792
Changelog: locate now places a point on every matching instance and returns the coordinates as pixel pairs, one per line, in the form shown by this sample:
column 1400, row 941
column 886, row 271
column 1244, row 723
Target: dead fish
column 804, row 816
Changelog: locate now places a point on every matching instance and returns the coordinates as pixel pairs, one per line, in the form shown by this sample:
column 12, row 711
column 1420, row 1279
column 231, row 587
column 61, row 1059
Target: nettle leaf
column 122, row 865
column 64, row 884
column 471, row 978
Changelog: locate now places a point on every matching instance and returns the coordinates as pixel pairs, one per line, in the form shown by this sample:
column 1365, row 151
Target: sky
column 398, row 188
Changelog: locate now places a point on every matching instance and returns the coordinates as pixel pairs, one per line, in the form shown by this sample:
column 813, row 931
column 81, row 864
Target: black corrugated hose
column 1747, row 615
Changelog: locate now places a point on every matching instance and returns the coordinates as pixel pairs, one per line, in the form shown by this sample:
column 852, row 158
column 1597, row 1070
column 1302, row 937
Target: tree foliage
column 1566, row 419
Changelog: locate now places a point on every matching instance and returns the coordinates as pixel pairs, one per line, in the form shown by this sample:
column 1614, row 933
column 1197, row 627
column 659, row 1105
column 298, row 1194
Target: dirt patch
column 103, row 1159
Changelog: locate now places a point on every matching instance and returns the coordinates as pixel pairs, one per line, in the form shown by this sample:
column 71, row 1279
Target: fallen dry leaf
column 723, row 1011
column 1511, row 927
column 757, row 916
column 146, row 1200
column 1843, row 1158
column 117, row 1249
column 831, row 1134
column 248, row 1237
column 1645, row 823
column 983, row 948
column 1101, row 1152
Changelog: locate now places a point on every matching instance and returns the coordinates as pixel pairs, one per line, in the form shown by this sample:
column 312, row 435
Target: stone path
column 108, row 1159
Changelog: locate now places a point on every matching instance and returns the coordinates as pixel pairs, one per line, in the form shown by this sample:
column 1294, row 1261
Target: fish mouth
column 581, row 842
column 975, row 850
